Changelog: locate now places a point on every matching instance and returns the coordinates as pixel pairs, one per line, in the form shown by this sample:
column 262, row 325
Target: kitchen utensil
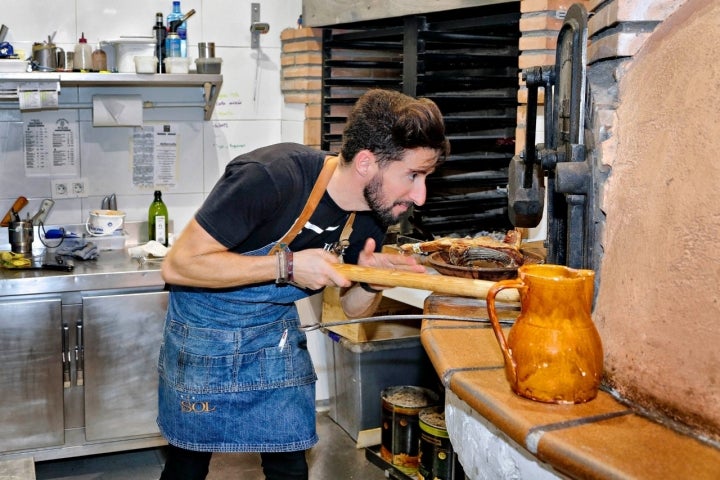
column 21, row 236
column 424, row 281
column 45, row 56
column 109, row 202
column 65, row 61
column 43, row 212
column 66, row 267
column 104, row 222
column 440, row 262
column 18, row 205
column 206, row 50
column 553, row 352
column 175, row 24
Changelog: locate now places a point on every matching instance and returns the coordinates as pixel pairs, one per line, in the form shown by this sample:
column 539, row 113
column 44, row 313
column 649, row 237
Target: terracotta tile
column 460, row 348
column 488, row 392
column 628, row 447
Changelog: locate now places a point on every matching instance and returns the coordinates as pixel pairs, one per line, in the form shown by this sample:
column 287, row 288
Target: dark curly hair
column 387, row 123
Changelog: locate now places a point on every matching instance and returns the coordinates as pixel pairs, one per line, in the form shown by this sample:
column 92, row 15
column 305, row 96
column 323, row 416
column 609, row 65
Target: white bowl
column 177, row 65
column 145, row 64
column 104, row 222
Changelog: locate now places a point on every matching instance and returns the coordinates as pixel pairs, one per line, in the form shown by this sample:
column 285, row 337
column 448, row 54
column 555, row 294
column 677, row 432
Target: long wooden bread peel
column 444, row 284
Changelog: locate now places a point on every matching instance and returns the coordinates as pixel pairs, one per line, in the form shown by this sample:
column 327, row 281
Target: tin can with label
column 438, row 460
column 400, row 431
column 173, row 45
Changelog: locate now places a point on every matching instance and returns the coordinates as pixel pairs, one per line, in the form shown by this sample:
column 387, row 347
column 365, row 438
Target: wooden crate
column 366, row 332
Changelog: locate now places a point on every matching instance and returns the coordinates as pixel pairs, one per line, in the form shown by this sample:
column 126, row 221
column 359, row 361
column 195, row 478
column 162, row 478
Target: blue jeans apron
column 235, row 373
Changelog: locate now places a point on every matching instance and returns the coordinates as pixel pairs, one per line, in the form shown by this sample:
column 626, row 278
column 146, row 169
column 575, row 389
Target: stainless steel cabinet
column 80, row 372
column 31, row 405
column 122, row 338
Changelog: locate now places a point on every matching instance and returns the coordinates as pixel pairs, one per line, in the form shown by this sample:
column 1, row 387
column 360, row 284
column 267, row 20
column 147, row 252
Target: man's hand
column 369, row 258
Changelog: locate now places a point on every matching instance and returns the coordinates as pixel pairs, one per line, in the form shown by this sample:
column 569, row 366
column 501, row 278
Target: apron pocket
column 202, row 364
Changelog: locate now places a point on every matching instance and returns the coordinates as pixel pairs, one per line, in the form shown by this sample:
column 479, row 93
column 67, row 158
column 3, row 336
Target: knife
column 55, row 266
column 14, row 210
column 47, row 266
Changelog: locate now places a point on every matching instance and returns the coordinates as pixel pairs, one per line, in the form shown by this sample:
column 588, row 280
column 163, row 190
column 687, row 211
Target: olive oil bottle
column 158, row 220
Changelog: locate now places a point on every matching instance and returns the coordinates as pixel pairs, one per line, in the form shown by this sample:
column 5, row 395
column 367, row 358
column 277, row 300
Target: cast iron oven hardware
column 465, row 60
column 563, row 158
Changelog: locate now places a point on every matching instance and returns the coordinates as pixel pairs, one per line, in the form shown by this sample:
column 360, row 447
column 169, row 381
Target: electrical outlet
column 69, row 188
column 59, row 189
column 79, row 187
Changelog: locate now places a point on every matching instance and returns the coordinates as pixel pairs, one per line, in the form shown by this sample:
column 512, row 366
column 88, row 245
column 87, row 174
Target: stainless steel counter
column 113, row 269
column 81, row 349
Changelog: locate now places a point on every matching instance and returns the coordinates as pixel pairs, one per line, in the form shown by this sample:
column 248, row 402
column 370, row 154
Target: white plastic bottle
column 82, row 58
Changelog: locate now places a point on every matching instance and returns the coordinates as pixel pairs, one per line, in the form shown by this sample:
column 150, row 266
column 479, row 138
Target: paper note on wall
column 51, row 145
column 32, row 97
column 154, row 156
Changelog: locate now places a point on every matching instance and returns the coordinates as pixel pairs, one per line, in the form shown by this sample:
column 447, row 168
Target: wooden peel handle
column 424, row 281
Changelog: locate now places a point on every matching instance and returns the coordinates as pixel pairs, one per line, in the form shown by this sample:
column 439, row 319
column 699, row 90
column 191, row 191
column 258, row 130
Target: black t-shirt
column 262, row 193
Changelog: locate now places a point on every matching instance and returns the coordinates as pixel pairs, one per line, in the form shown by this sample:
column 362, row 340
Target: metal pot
column 21, row 236
column 45, row 56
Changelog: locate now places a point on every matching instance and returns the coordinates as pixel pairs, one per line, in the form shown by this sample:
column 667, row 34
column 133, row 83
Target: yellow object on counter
column 14, row 260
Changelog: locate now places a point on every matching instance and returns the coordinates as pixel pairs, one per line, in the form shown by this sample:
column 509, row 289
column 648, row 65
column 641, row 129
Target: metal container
column 45, row 56
column 173, row 45
column 359, row 372
column 21, row 236
column 206, row 50
column 400, row 445
column 438, row 460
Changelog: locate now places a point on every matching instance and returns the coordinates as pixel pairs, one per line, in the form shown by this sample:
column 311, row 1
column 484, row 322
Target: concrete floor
column 335, row 457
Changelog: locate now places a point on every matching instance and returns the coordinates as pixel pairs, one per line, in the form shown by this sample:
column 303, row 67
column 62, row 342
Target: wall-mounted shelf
column 210, row 84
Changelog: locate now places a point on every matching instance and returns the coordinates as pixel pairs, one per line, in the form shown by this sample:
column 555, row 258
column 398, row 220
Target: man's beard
column 376, row 200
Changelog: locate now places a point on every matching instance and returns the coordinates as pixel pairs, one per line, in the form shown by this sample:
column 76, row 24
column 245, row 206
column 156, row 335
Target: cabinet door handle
column 79, row 355
column 66, row 355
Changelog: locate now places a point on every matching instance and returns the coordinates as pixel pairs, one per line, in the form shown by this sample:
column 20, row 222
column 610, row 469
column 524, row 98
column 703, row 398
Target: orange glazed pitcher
column 553, row 352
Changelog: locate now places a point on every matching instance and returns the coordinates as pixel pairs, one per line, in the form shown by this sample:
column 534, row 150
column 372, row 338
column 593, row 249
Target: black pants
column 184, row 464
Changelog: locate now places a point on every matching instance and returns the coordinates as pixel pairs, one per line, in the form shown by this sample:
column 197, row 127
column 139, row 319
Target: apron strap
column 345, row 235
column 312, row 202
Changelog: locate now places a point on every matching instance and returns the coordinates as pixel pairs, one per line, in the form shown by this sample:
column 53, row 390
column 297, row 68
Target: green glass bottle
column 158, row 220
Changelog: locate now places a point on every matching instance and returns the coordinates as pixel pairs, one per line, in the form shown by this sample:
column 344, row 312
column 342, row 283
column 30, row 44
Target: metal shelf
column 210, row 84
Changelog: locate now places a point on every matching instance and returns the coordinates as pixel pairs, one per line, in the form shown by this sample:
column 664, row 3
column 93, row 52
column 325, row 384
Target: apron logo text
column 196, row 407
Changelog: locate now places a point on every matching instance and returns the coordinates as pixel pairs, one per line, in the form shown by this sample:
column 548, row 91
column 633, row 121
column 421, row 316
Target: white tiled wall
column 250, row 111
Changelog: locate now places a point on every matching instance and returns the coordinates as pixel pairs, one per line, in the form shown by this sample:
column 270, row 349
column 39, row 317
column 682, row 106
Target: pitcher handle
column 492, row 314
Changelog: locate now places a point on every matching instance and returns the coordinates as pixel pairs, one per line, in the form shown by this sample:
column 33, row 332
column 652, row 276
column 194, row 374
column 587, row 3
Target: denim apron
column 235, row 372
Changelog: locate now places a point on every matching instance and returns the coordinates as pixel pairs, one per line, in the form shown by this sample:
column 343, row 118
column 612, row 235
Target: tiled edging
column 600, row 439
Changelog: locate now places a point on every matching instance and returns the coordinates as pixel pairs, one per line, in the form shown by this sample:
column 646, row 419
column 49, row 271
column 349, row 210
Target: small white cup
column 104, row 222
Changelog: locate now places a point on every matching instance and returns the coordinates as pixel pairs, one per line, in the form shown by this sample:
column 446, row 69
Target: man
column 235, row 374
